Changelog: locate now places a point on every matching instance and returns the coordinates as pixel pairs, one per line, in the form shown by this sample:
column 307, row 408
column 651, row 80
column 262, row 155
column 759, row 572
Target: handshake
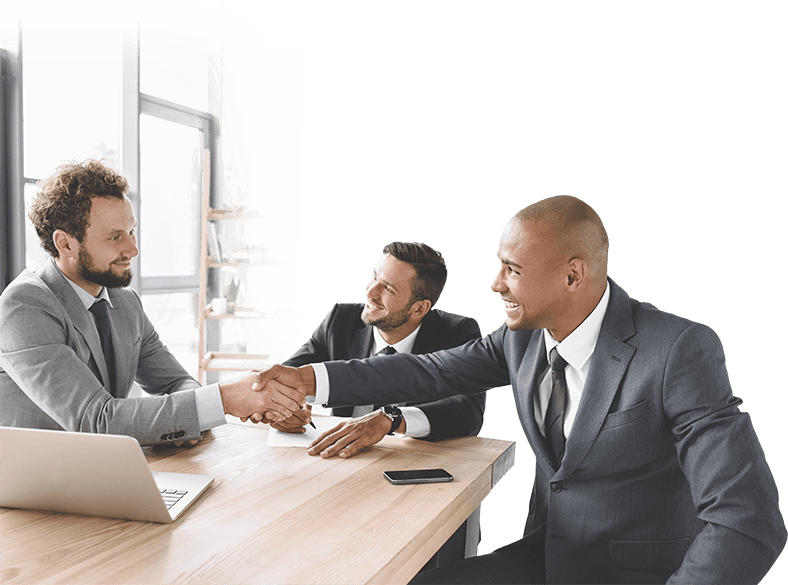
column 269, row 396
column 277, row 396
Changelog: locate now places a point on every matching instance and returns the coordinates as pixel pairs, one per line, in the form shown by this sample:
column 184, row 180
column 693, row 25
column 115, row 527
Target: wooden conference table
column 272, row 515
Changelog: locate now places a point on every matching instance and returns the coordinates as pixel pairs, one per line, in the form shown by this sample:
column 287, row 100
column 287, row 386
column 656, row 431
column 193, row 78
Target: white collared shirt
column 416, row 422
column 576, row 349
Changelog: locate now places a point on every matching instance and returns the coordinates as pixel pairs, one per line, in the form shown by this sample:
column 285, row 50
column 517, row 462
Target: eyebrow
column 509, row 263
column 118, row 231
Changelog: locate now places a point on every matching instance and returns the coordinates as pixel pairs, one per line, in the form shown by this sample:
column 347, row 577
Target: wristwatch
column 394, row 414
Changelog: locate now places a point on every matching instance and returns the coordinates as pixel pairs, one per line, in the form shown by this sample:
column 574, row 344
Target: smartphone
column 418, row 476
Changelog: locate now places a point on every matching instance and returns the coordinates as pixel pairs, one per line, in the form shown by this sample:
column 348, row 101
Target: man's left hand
column 348, row 438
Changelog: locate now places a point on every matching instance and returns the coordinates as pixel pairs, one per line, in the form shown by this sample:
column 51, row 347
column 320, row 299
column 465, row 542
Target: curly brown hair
column 63, row 201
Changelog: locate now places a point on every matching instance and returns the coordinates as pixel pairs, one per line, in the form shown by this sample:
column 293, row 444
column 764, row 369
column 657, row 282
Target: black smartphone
column 418, row 476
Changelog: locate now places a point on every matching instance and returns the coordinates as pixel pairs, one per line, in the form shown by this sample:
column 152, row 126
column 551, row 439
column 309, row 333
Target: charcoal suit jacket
column 53, row 374
column 343, row 335
column 663, row 478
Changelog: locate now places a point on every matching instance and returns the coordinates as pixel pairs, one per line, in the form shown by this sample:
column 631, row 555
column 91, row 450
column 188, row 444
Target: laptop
column 92, row 474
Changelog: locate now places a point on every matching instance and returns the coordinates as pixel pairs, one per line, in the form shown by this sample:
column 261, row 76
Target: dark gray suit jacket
column 663, row 478
column 53, row 374
column 343, row 335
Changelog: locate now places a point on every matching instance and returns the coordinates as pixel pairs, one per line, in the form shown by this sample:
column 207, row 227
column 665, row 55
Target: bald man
column 646, row 469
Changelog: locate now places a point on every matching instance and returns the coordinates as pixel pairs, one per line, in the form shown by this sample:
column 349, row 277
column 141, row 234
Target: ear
column 66, row 244
column 577, row 272
column 420, row 309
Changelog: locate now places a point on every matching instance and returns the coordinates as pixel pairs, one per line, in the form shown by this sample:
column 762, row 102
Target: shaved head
column 575, row 229
column 553, row 269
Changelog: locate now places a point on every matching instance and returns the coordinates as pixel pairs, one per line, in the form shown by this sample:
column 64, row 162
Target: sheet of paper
column 323, row 423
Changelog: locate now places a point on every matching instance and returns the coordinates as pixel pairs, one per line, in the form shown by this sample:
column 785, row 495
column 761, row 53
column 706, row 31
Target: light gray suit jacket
column 663, row 478
column 53, row 374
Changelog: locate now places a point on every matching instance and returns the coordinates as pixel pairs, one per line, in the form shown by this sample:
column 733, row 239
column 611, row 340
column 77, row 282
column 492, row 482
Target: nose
column 373, row 289
column 131, row 250
column 498, row 284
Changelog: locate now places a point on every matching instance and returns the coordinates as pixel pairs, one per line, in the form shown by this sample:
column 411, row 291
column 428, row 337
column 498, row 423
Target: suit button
column 556, row 487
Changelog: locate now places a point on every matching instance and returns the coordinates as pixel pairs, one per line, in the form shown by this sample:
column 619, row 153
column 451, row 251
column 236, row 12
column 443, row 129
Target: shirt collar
column 577, row 348
column 84, row 296
column 404, row 346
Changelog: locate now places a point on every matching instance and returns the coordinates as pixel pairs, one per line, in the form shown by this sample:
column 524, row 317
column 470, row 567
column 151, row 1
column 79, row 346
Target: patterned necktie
column 100, row 310
column 554, row 417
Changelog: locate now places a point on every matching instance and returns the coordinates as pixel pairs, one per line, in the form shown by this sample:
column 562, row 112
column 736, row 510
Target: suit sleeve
column 732, row 487
column 39, row 355
column 158, row 371
column 457, row 415
column 471, row 368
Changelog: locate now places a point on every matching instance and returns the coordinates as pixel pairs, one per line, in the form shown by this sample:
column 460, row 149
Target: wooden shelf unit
column 213, row 361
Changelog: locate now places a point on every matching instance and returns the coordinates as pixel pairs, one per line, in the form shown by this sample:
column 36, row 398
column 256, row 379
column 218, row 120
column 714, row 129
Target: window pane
column 72, row 95
column 175, row 318
column 35, row 255
column 174, row 65
column 170, row 198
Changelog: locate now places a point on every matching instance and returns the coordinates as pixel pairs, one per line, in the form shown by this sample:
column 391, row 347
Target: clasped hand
column 287, row 389
column 269, row 396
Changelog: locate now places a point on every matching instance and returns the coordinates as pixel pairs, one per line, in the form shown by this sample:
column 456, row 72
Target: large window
column 81, row 89
column 132, row 97
column 72, row 81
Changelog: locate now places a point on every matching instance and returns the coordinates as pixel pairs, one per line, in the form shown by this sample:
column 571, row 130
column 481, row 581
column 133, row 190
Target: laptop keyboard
column 172, row 497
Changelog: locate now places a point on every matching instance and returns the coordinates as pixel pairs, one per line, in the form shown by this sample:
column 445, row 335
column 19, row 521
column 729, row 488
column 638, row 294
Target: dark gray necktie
column 100, row 310
column 554, row 417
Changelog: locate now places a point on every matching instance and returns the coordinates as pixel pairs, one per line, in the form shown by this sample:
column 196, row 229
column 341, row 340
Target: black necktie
column 100, row 310
column 554, row 417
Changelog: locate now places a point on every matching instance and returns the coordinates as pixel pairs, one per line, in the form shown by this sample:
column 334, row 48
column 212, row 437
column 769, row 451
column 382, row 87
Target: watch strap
column 394, row 414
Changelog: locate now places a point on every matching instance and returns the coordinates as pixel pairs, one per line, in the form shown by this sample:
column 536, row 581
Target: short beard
column 389, row 322
column 87, row 271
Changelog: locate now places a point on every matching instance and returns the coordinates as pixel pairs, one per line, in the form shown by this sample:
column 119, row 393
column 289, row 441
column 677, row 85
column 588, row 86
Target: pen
column 311, row 424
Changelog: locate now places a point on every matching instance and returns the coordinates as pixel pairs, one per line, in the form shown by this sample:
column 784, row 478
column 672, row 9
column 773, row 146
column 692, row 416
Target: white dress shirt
column 210, row 412
column 576, row 349
column 416, row 422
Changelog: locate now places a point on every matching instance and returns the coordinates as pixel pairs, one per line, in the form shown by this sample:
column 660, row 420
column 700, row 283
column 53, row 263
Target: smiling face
column 103, row 257
column 532, row 277
column 389, row 303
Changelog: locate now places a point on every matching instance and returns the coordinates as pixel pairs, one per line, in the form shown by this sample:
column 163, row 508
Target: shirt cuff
column 416, row 422
column 322, row 385
column 210, row 412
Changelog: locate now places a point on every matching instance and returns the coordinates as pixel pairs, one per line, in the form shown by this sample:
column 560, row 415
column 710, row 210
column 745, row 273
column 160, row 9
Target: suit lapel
column 82, row 322
column 525, row 388
column 609, row 363
column 360, row 346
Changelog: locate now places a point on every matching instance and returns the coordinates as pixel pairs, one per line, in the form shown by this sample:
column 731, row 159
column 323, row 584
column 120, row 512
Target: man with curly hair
column 66, row 363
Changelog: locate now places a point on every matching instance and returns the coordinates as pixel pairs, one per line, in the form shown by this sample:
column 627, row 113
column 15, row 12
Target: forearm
column 410, row 378
column 722, row 555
